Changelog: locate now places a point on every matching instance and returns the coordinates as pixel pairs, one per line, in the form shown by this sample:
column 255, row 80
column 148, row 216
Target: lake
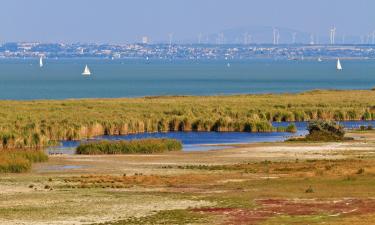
column 61, row 78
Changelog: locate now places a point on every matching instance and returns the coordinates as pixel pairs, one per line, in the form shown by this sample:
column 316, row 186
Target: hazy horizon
column 126, row 21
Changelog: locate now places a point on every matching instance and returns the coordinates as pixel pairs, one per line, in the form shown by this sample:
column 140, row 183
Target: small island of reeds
column 141, row 146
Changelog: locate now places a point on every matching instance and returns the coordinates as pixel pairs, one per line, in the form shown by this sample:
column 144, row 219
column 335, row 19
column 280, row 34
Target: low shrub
column 309, row 190
column 142, row 146
column 320, row 130
column 360, row 171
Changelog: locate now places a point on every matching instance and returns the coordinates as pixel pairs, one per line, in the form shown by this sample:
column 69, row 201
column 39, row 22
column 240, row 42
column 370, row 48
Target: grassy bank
column 144, row 146
column 37, row 123
column 19, row 161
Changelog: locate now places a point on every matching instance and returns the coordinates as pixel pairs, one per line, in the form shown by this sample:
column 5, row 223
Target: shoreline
column 151, row 97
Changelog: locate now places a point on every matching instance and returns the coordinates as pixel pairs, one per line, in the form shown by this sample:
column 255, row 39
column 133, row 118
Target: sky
column 126, row 21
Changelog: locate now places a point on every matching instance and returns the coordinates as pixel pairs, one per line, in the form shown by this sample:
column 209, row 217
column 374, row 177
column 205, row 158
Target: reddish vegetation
column 275, row 207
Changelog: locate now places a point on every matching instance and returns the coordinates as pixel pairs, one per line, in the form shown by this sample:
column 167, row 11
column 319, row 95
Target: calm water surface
column 60, row 79
column 204, row 141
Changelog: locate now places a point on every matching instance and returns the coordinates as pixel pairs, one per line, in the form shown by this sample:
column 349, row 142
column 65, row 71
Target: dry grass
column 19, row 161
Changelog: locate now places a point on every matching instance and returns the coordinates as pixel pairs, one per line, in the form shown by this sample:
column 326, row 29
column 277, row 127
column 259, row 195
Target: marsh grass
column 20, row 161
column 142, row 146
column 33, row 124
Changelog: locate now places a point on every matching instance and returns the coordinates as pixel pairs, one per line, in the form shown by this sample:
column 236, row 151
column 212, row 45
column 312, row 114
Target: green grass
column 34, row 124
column 20, row 161
column 143, row 146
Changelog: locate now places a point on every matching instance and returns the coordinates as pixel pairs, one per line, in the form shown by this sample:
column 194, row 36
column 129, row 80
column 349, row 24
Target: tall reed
column 19, row 161
column 34, row 124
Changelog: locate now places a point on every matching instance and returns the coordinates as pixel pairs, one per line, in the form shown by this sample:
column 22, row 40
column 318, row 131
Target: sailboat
column 339, row 67
column 41, row 62
column 320, row 59
column 87, row 71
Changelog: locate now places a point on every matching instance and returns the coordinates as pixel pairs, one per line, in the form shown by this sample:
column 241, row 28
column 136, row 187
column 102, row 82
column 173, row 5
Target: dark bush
column 320, row 130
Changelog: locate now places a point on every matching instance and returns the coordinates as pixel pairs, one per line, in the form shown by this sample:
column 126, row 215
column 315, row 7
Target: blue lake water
column 61, row 78
column 204, row 141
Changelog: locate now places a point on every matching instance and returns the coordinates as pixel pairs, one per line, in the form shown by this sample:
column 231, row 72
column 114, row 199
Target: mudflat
column 263, row 183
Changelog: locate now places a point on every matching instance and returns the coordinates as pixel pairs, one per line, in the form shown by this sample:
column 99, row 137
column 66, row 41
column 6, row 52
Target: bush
column 361, row 171
column 309, row 190
column 144, row 146
column 325, row 131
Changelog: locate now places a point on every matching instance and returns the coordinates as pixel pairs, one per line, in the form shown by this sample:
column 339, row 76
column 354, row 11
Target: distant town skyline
column 129, row 21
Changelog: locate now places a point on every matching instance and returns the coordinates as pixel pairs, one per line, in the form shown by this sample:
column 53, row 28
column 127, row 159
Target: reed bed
column 142, row 146
column 34, row 124
column 19, row 161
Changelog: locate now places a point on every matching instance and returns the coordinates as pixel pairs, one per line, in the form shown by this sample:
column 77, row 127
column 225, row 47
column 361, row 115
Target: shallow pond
column 205, row 141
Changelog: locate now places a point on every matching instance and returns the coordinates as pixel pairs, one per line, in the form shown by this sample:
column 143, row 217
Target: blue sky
column 123, row 21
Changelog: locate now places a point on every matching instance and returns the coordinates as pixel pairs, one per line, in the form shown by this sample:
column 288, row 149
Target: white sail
column 87, row 71
column 339, row 67
column 41, row 61
column 320, row 59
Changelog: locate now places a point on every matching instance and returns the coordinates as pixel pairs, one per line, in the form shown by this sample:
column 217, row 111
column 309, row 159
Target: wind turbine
column 294, row 35
column 276, row 36
column 170, row 36
column 249, row 39
column 246, row 38
column 333, row 34
column 220, row 38
column 200, row 38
